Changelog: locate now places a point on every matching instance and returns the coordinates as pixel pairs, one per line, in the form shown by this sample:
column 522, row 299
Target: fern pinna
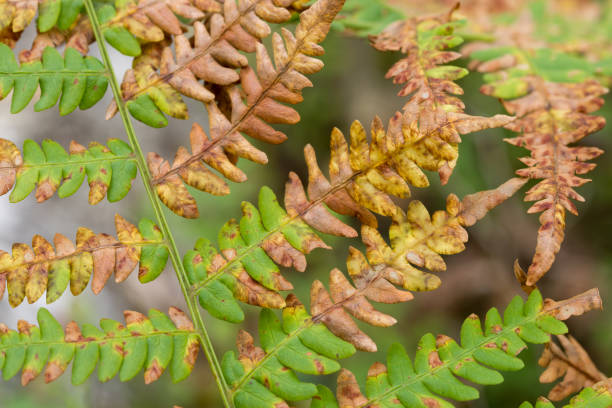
column 552, row 94
column 218, row 52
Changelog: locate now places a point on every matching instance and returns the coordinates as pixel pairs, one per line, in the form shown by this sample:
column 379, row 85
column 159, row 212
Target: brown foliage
column 551, row 118
column 417, row 241
column 248, row 109
column 571, row 362
column 435, row 113
column 30, row 271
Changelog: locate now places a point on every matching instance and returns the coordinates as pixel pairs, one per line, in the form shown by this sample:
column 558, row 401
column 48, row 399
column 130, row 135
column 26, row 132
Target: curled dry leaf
column 571, row 362
column 576, row 305
column 213, row 54
column 30, row 271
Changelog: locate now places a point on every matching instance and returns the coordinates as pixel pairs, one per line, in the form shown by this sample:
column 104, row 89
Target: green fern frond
column 81, row 81
column 440, row 362
column 263, row 377
column 29, row 272
column 154, row 343
column 367, row 17
column 48, row 168
column 246, row 269
column 597, row 396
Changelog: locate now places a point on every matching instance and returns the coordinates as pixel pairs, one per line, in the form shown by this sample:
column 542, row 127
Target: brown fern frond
column 362, row 176
column 216, row 52
column 273, row 83
column 417, row 242
column 551, row 117
column 30, row 271
column 148, row 20
column 570, row 361
column 429, row 81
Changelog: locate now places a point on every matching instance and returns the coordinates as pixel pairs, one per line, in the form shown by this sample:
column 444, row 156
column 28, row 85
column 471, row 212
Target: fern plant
column 246, row 61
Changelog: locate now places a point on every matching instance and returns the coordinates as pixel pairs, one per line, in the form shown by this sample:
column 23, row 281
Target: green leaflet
column 74, row 80
column 152, row 343
column 551, row 65
column 247, row 270
column 366, row 17
column 49, row 168
column 265, row 377
column 597, row 396
column 440, row 362
column 117, row 36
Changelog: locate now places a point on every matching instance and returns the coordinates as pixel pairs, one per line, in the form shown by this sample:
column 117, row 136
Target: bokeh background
column 352, row 86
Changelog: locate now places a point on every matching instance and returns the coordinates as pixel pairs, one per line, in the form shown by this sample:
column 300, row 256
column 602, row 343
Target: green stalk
column 161, row 218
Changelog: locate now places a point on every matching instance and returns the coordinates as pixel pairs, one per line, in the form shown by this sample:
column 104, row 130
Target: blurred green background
column 352, row 86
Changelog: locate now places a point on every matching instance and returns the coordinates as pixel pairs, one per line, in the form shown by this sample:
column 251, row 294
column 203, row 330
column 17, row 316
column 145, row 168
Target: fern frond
column 362, row 176
column 553, row 113
column 429, row 81
column 597, row 396
column 81, row 81
column 215, row 56
column 246, row 269
column 265, row 376
column 570, row 361
column 124, row 24
column 17, row 16
column 367, row 17
column 153, row 343
column 282, row 83
column 49, row 168
column 440, row 361
column 29, row 272
column 417, row 242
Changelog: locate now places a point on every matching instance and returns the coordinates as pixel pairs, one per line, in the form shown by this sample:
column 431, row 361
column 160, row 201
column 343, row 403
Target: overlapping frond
column 418, row 242
column 363, row 175
column 16, row 16
column 246, row 269
column 125, row 24
column 553, row 102
column 154, row 343
column 81, row 81
column 48, row 168
column 157, row 80
column 265, row 377
column 428, row 80
column 597, row 396
column 570, row 362
column 264, row 88
column 30, row 271
column 440, row 361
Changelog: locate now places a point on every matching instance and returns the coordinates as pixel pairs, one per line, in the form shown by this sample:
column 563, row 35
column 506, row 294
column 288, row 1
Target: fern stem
column 161, row 218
